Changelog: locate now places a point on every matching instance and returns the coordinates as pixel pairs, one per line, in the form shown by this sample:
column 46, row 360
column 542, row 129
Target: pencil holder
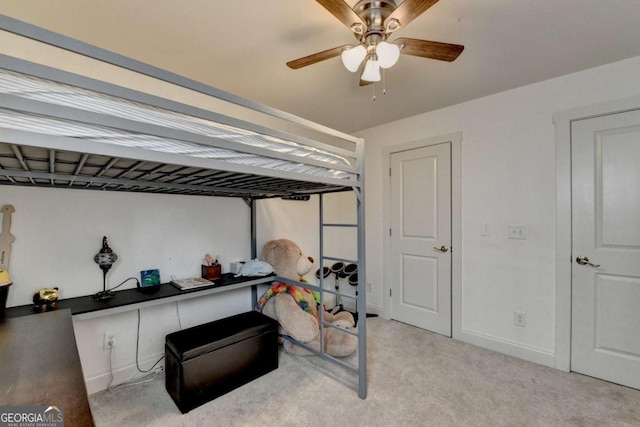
column 211, row 272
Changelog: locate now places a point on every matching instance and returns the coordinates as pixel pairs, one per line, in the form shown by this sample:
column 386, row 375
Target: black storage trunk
column 209, row 360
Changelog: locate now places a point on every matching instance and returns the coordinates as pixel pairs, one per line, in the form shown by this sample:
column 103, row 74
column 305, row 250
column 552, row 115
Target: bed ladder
column 360, row 295
column 360, row 298
column 360, row 331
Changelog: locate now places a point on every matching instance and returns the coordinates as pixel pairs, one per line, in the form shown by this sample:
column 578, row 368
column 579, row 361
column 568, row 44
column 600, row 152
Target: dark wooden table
column 40, row 365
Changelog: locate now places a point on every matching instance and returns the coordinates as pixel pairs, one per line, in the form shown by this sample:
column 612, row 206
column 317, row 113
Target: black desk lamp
column 105, row 259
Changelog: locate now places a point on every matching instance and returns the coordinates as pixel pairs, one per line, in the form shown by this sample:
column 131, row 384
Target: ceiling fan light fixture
column 371, row 71
column 353, row 57
column 388, row 54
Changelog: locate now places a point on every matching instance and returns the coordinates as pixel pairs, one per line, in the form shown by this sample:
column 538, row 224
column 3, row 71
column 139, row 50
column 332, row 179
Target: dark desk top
column 85, row 304
column 40, row 365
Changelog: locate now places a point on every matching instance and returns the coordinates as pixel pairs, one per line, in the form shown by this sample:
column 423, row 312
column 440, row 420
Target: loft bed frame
column 61, row 129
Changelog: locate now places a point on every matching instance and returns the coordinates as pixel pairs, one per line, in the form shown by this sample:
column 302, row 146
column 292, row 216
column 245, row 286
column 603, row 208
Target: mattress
column 54, row 93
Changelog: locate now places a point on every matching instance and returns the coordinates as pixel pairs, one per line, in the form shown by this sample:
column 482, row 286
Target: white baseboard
column 374, row 309
column 121, row 375
column 510, row 348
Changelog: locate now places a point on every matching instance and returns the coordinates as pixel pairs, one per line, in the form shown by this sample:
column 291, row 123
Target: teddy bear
column 295, row 308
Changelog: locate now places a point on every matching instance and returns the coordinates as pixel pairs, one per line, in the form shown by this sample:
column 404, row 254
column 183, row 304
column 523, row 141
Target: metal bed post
column 254, row 246
column 361, row 302
column 321, row 275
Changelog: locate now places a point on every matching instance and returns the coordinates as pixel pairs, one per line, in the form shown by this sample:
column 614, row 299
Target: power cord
column 145, row 379
column 110, row 365
column 108, row 294
column 178, row 313
column 137, row 346
column 135, row 381
column 125, row 281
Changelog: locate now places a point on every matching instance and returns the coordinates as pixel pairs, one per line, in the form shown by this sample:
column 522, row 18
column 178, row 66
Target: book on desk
column 191, row 283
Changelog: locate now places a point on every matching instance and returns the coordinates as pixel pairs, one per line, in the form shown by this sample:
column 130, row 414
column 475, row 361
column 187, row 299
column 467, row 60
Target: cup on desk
column 211, row 272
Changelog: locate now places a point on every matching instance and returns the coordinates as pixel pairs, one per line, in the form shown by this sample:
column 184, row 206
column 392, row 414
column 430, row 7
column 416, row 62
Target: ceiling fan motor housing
column 374, row 14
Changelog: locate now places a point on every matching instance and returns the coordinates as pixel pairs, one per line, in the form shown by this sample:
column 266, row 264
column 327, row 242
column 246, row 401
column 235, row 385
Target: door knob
column 583, row 260
column 442, row 248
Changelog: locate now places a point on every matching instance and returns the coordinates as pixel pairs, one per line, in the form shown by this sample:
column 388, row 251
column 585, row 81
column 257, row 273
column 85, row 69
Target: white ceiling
column 241, row 46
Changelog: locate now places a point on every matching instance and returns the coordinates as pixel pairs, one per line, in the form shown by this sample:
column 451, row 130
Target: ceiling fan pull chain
column 373, row 87
column 384, row 82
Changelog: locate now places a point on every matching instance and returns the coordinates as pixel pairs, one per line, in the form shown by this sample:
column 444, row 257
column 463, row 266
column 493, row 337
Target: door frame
column 562, row 121
column 456, row 222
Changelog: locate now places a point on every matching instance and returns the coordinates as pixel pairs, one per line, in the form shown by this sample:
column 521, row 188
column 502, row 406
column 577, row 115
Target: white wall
column 59, row 231
column 508, row 162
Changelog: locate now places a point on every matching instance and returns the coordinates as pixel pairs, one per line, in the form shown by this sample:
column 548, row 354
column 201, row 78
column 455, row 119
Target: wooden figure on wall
column 6, row 239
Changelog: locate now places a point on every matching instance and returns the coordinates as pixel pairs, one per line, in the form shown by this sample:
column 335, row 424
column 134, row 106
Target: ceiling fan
column 372, row 23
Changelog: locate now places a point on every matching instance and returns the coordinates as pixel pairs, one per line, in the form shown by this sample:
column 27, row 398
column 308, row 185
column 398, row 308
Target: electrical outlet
column 520, row 319
column 109, row 341
column 369, row 287
column 158, row 369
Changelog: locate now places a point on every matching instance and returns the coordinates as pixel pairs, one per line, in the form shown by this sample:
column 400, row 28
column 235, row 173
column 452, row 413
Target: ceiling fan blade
column 316, row 57
column 342, row 11
column 427, row 49
column 410, row 10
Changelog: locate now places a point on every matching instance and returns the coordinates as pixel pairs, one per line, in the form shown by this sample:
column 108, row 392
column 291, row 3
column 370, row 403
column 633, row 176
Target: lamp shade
column 388, row 54
column 353, row 57
column 106, row 257
column 371, row 71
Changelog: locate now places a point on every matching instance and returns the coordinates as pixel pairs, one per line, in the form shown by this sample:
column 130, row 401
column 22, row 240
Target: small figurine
column 45, row 298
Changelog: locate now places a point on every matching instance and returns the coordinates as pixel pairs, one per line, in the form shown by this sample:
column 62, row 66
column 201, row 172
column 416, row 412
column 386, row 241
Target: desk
column 131, row 299
column 40, row 365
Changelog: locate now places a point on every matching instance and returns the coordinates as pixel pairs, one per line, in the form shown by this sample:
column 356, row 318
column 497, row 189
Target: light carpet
column 415, row 378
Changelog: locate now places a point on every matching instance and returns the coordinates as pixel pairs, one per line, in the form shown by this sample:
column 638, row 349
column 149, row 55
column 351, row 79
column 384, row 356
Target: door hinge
column 389, row 232
column 389, row 292
column 389, row 171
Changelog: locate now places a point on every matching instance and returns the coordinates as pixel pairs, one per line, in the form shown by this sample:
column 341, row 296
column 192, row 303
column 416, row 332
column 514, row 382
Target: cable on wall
column 137, row 347
column 178, row 313
column 151, row 374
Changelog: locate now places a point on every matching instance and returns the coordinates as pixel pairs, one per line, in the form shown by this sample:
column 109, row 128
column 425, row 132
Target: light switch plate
column 517, row 231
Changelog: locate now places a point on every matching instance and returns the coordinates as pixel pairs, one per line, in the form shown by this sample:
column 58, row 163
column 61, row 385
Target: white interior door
column 605, row 320
column 421, row 236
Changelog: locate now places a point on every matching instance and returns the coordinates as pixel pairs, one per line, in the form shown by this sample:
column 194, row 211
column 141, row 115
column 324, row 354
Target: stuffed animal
column 296, row 309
